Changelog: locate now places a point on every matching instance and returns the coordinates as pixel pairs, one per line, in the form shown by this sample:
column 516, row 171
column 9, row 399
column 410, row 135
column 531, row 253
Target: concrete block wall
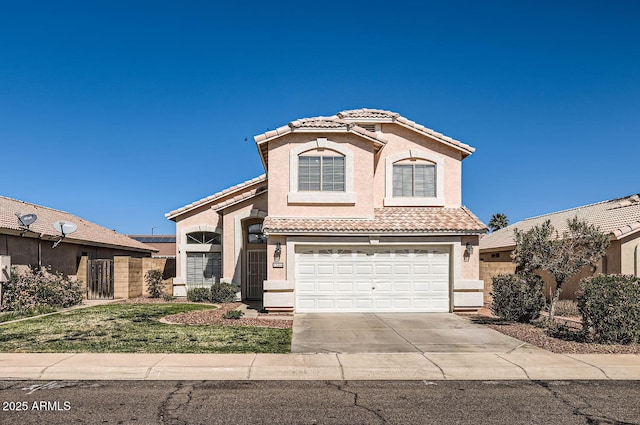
column 127, row 276
column 489, row 269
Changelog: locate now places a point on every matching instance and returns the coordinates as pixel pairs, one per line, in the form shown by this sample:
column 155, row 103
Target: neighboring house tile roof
column 618, row 217
column 88, row 233
column 393, row 220
column 237, row 189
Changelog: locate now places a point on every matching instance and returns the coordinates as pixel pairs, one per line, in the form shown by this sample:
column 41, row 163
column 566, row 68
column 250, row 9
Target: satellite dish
column 65, row 227
column 27, row 219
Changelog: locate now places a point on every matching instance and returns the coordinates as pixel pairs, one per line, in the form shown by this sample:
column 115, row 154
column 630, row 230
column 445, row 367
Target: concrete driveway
column 398, row 333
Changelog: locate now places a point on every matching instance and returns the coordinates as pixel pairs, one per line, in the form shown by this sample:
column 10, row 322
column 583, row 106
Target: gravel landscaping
column 538, row 336
column 215, row 317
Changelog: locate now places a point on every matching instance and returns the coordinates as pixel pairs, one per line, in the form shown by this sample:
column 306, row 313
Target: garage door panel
column 345, row 269
column 383, row 270
column 344, row 286
column 364, row 269
column 372, row 279
column 326, row 269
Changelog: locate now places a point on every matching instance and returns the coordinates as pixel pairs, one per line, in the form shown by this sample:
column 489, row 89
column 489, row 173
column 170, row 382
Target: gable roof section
column 618, row 217
column 220, row 197
column 388, row 220
column 88, row 233
column 379, row 115
column 347, row 121
column 315, row 125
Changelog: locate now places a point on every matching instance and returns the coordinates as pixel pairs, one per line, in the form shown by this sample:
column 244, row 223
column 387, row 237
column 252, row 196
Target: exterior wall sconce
column 277, row 264
column 468, row 249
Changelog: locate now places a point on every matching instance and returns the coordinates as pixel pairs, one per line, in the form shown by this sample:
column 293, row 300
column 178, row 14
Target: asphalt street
column 320, row 402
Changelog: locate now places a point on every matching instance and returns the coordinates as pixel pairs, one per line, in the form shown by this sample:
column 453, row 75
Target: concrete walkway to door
column 398, row 333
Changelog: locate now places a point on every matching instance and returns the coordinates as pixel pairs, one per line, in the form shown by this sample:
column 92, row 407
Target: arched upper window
column 321, row 172
column 414, row 178
column 203, row 238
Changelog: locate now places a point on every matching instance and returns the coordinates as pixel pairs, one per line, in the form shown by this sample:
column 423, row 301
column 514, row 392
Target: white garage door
column 366, row 279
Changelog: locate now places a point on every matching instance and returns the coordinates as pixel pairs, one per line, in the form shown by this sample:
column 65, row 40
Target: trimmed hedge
column 517, row 297
column 199, row 295
column 31, row 288
column 223, row 292
column 610, row 308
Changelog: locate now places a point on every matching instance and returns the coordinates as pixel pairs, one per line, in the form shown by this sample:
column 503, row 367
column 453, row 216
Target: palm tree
column 498, row 221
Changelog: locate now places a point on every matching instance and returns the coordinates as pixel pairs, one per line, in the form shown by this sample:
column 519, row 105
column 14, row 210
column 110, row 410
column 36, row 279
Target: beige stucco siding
column 399, row 140
column 279, row 175
column 232, row 234
column 630, row 255
column 201, row 219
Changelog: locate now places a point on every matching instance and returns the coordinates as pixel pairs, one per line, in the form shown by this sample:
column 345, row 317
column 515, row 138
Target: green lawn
column 134, row 328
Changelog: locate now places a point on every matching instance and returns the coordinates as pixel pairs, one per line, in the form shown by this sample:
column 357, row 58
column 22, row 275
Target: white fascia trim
column 346, row 197
column 438, row 201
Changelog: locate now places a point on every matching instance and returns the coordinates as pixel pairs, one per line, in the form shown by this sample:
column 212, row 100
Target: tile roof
column 379, row 115
column 239, row 198
column 348, row 121
column 216, row 196
column 393, row 220
column 619, row 217
column 367, row 114
column 88, row 233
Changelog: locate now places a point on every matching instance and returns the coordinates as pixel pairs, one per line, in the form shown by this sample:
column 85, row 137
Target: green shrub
column 153, row 279
column 223, row 292
column 233, row 314
column 610, row 308
column 167, row 296
column 31, row 288
column 517, row 297
column 199, row 295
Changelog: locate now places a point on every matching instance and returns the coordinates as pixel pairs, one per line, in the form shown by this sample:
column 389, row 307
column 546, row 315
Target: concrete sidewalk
column 324, row 366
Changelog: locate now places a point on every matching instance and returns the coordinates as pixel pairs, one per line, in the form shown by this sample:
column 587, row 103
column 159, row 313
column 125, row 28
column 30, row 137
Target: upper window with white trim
column 414, row 178
column 321, row 173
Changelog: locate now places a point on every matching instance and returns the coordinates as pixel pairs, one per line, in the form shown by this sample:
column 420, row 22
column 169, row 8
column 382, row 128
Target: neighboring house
column 33, row 245
column 357, row 212
column 164, row 244
column 166, row 249
column 620, row 218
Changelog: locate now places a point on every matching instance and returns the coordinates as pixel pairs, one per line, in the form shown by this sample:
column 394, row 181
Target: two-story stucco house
column 357, row 212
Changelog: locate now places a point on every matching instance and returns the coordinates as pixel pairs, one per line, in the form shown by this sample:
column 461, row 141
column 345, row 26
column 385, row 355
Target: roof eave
column 373, row 232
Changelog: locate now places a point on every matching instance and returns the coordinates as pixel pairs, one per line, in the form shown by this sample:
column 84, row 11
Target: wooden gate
column 100, row 280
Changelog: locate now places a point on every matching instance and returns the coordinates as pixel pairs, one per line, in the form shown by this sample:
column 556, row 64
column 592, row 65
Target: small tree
column 498, row 221
column 153, row 278
column 543, row 248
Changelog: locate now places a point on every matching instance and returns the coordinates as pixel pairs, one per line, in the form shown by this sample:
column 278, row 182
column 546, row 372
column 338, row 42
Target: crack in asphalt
column 180, row 397
column 342, row 388
column 578, row 410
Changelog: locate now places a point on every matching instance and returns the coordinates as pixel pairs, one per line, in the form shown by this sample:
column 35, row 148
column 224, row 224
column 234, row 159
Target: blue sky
column 119, row 112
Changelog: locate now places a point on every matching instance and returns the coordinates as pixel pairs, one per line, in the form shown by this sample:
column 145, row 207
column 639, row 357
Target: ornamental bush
column 610, row 308
column 31, row 288
column 223, row 292
column 153, row 279
column 517, row 297
column 199, row 295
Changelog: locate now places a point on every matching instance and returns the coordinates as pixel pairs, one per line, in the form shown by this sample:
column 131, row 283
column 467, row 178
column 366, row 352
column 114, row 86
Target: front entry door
column 256, row 273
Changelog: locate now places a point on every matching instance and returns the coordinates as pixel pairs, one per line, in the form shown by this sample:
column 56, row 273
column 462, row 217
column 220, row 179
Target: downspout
column 637, row 262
